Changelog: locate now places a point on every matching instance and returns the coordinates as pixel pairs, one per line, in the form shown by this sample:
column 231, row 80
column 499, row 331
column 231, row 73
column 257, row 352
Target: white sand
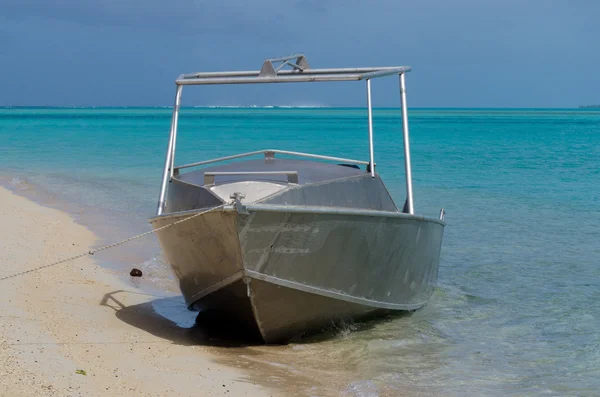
column 56, row 321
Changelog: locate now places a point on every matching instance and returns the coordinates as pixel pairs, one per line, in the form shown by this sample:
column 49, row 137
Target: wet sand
column 80, row 329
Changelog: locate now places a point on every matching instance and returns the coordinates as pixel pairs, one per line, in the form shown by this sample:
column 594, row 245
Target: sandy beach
column 77, row 329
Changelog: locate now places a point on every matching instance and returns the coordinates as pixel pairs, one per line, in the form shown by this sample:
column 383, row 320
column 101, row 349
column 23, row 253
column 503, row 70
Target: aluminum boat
column 284, row 243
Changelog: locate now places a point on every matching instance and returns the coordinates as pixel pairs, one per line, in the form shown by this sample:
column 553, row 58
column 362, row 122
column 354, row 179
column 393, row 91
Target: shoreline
column 81, row 316
column 144, row 254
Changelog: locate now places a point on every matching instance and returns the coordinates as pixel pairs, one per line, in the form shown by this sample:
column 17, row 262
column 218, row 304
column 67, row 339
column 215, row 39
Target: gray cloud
column 194, row 16
column 464, row 52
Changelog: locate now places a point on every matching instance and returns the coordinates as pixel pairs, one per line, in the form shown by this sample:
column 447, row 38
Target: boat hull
column 288, row 272
column 276, row 314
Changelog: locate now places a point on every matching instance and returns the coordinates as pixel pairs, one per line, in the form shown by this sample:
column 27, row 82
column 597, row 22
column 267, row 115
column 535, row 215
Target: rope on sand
column 93, row 251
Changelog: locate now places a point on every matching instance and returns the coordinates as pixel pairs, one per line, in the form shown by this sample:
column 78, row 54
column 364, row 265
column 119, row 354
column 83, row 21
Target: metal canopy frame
column 299, row 71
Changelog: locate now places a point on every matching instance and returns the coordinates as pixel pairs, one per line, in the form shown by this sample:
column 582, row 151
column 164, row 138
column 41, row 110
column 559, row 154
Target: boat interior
column 274, row 180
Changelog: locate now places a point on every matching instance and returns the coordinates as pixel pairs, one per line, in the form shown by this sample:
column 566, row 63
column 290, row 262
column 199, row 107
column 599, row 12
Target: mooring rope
column 93, row 251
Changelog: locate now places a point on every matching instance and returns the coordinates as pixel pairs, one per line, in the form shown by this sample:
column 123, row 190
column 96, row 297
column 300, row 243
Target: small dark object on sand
column 135, row 273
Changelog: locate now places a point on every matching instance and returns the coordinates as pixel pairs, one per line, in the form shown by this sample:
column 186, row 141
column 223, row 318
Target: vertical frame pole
column 170, row 155
column 174, row 127
column 407, row 163
column 370, row 111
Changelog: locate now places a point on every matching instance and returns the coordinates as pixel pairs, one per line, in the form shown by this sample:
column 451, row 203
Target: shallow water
column 516, row 309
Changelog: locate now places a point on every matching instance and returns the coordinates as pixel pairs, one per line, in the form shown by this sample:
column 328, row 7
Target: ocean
column 516, row 309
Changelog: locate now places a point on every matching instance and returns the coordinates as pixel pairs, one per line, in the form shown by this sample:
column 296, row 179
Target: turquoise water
column 516, row 311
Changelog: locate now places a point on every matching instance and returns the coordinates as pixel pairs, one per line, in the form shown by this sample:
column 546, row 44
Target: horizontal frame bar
column 281, row 73
column 318, row 156
column 248, row 154
column 299, row 78
column 219, row 159
column 382, row 73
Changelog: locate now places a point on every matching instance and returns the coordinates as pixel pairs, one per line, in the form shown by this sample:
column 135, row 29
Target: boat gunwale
column 300, row 209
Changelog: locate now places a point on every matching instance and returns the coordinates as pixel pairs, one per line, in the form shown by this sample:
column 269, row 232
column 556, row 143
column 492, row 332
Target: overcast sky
column 464, row 53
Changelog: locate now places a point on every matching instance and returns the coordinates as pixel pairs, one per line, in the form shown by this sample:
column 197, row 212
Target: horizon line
column 597, row 107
